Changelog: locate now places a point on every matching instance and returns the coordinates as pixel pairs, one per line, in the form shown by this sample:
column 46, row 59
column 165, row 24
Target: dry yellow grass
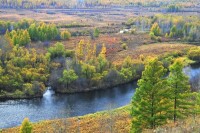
column 153, row 50
column 115, row 121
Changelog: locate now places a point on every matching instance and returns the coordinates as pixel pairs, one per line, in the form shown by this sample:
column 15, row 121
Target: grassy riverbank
column 116, row 121
column 106, row 121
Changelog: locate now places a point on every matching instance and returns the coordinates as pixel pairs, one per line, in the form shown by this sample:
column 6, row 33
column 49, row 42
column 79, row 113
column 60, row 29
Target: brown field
column 138, row 45
column 153, row 50
column 93, row 17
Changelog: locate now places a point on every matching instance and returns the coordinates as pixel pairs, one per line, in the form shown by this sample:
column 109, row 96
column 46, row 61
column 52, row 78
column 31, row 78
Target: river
column 53, row 106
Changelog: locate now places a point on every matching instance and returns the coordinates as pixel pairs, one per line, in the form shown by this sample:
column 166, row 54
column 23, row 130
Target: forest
column 99, row 66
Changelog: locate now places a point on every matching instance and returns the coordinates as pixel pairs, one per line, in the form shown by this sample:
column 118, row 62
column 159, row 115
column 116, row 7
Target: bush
column 28, row 89
column 38, row 87
column 57, row 50
column 18, row 93
column 153, row 37
column 65, row 35
column 166, row 35
column 96, row 32
column 26, row 126
column 124, row 46
column 69, row 53
column 159, row 39
column 194, row 54
column 133, row 31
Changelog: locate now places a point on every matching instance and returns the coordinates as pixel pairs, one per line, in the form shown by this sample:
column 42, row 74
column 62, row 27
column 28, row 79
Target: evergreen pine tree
column 150, row 104
column 155, row 29
column 26, row 37
column 180, row 91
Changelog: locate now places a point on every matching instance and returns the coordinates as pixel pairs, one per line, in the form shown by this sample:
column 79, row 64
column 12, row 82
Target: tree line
column 89, row 3
column 170, row 26
column 8, row 25
column 27, row 31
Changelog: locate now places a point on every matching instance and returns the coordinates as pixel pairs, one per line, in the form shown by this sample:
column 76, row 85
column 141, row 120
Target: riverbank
column 165, row 52
column 154, row 50
column 115, row 120
column 58, row 106
column 14, row 97
column 107, row 121
column 99, row 87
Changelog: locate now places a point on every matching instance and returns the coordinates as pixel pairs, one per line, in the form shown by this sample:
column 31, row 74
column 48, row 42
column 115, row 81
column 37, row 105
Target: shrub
column 65, row 35
column 153, row 37
column 133, row 31
column 194, row 54
column 26, row 126
column 57, row 51
column 38, row 87
column 18, row 93
column 166, row 35
column 28, row 89
column 69, row 53
column 124, row 46
column 96, row 32
column 159, row 39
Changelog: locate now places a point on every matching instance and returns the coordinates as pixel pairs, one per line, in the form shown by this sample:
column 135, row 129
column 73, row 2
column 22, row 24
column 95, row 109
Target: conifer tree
column 33, row 32
column 26, row 37
column 180, row 91
column 155, row 29
column 96, row 32
column 26, row 126
column 173, row 31
column 150, row 104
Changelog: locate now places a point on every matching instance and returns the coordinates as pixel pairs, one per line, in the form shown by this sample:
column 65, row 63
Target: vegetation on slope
column 108, row 121
column 118, row 120
column 23, row 72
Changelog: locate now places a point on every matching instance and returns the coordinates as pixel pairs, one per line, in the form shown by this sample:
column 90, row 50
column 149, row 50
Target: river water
column 53, row 106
